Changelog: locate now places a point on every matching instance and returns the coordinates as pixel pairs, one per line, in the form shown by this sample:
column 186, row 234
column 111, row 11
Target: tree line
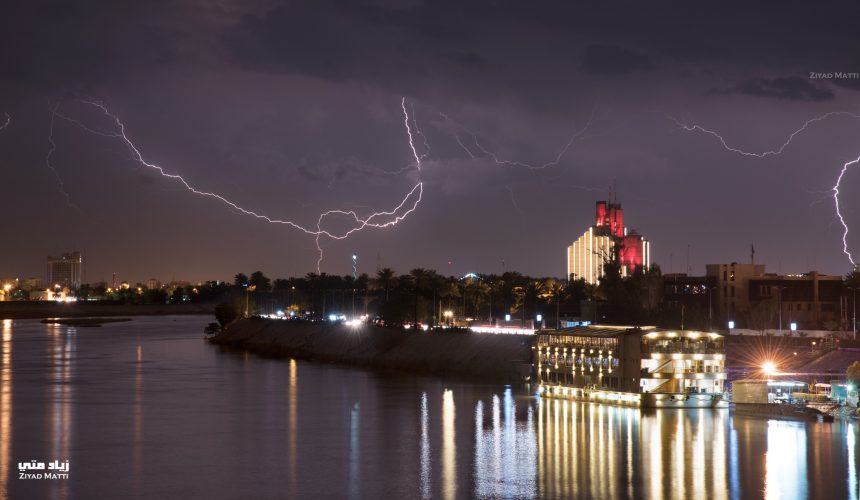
column 428, row 297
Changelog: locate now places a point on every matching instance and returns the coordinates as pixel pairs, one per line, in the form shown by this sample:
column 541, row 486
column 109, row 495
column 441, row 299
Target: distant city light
column 731, row 324
column 502, row 330
column 793, row 327
column 332, row 317
column 540, row 317
column 507, row 317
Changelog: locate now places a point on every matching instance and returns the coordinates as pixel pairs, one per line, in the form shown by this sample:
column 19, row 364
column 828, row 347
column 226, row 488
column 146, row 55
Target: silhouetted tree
column 263, row 284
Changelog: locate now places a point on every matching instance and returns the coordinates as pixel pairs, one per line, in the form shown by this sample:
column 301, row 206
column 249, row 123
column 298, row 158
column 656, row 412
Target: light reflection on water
column 504, row 462
column 785, row 458
column 6, row 465
column 145, row 409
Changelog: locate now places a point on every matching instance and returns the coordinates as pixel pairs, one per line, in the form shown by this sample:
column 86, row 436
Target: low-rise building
column 644, row 366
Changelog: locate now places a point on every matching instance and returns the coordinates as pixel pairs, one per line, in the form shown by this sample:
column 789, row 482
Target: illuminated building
column 65, row 270
column 587, row 255
column 153, row 284
column 646, row 366
column 744, row 293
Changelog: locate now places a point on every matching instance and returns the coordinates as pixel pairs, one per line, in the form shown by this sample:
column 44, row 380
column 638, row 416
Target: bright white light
column 768, row 368
column 731, row 324
column 502, row 330
column 332, row 317
column 507, row 317
column 540, row 317
column 794, row 327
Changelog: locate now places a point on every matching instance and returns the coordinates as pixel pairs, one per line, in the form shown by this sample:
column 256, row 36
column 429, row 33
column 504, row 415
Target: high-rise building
column 65, row 270
column 587, row 255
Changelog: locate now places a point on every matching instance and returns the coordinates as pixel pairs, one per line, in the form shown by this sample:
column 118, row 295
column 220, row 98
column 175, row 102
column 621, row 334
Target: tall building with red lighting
column 586, row 256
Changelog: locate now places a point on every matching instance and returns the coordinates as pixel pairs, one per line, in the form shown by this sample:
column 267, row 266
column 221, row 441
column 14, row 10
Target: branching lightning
column 839, row 212
column 378, row 220
column 7, row 122
column 513, row 163
column 419, row 186
column 778, row 151
column 53, row 147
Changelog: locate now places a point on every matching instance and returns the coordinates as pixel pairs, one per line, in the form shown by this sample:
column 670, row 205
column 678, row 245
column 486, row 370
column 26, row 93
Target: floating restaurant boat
column 643, row 367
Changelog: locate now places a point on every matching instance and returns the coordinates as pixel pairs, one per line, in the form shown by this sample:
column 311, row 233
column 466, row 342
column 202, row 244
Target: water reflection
column 292, row 428
column 505, row 451
column 137, row 420
column 183, row 411
column 785, row 460
column 354, row 452
column 5, row 406
column 425, row 448
column 449, row 447
column 851, row 441
column 61, row 352
column 589, row 450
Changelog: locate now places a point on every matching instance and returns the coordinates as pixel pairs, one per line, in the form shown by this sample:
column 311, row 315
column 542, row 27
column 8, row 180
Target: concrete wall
column 501, row 358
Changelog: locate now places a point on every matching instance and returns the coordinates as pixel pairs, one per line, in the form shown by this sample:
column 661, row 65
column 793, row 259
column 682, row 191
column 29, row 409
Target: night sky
column 294, row 108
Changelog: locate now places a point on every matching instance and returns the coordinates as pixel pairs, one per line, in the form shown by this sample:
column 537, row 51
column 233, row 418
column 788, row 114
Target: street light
column 768, row 368
column 448, row 315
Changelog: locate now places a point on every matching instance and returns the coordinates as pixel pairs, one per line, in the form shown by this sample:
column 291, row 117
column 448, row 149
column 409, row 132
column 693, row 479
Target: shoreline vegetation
column 485, row 357
column 47, row 309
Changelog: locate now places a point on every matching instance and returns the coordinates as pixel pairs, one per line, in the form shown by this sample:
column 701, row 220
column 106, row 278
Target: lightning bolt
column 839, row 212
column 7, row 122
column 379, row 220
column 513, row 163
column 513, row 200
column 778, row 151
column 53, row 147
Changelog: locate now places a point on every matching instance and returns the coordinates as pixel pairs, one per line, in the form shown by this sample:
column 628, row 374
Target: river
column 147, row 409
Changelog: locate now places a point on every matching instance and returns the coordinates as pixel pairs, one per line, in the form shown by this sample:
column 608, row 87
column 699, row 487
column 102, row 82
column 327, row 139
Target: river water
column 147, row 409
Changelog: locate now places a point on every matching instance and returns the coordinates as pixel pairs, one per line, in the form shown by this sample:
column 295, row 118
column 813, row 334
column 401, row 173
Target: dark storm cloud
column 71, row 46
column 847, row 83
column 302, row 98
column 790, row 88
column 468, row 60
column 614, row 60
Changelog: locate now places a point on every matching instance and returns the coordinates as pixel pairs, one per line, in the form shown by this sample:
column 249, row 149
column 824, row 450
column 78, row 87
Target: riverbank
column 497, row 358
column 49, row 309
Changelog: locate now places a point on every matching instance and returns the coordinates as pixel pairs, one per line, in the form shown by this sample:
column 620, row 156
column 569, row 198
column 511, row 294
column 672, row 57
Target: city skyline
column 516, row 142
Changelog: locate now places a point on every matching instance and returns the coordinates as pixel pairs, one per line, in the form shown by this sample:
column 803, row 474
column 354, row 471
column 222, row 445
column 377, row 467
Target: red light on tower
column 601, row 213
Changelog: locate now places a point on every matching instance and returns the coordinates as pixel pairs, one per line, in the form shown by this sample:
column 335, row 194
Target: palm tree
column 556, row 290
column 419, row 281
column 385, row 279
column 478, row 293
